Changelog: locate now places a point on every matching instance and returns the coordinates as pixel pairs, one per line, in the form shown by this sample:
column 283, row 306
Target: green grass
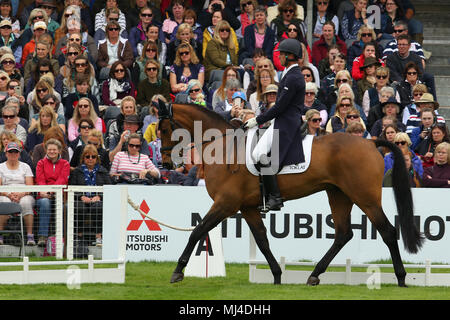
column 151, row 281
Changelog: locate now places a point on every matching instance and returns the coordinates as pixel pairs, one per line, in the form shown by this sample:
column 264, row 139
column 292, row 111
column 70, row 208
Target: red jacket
column 320, row 49
column 276, row 54
column 357, row 73
column 49, row 173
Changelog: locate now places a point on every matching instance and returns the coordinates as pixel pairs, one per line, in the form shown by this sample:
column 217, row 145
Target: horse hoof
column 313, row 281
column 177, row 277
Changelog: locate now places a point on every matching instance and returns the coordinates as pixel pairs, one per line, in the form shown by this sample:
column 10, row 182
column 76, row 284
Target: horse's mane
column 211, row 114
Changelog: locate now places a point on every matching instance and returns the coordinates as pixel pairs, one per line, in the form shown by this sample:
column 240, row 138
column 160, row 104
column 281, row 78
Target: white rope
column 135, row 207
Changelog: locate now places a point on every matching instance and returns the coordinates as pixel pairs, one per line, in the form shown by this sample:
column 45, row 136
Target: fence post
column 69, row 233
column 59, row 224
column 123, row 224
column 348, row 271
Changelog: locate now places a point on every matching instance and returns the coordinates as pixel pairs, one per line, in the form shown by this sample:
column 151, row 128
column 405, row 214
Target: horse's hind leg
column 218, row 212
column 389, row 234
column 341, row 207
column 256, row 225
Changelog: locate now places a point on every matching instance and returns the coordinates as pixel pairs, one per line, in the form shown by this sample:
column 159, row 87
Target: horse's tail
column 412, row 238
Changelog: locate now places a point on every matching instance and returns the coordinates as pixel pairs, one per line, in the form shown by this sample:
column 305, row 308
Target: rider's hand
column 250, row 123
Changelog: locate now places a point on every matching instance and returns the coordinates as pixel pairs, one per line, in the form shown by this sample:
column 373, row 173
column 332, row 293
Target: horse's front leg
column 218, row 212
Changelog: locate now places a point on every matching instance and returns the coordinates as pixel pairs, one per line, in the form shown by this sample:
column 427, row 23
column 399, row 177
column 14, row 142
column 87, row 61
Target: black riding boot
column 274, row 200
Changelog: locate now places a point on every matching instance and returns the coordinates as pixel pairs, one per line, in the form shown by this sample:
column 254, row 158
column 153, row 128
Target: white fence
column 73, row 275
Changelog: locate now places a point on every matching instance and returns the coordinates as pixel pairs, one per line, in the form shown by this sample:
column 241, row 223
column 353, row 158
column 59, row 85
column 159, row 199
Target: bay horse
column 349, row 168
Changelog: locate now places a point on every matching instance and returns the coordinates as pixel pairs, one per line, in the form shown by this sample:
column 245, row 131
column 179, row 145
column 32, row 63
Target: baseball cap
column 13, row 146
column 40, row 24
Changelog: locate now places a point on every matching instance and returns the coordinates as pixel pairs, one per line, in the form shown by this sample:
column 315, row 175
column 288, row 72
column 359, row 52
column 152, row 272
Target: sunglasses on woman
column 85, row 127
column 381, row 77
column 136, row 146
column 289, row 11
column 247, row 4
column 41, row 90
column 315, row 120
column 400, row 143
column 352, row 116
column 184, row 53
column 90, row 156
column 194, row 90
column 342, row 80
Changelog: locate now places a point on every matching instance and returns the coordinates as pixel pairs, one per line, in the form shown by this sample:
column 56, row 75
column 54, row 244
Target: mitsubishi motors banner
column 303, row 229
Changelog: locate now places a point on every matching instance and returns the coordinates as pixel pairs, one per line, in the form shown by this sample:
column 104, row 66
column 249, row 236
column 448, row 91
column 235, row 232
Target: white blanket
column 252, row 153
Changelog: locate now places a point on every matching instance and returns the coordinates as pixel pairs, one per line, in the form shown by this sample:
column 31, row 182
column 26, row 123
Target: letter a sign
column 207, row 258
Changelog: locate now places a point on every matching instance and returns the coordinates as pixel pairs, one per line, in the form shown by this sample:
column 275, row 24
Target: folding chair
column 12, row 208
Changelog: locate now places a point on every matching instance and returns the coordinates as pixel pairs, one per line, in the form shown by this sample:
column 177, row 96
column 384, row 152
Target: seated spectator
column 231, row 86
column 185, row 34
column 118, row 85
column 326, row 65
column 337, row 121
column 239, row 101
column 353, row 20
column 329, row 82
column 369, row 50
column 262, row 64
column 218, row 95
column 186, row 66
column 50, row 100
column 401, row 29
column 39, row 153
column 376, row 112
column 425, row 149
column 292, row 32
column 346, row 90
column 82, row 90
column 115, row 126
column 208, row 33
column 138, row 31
column 328, row 38
column 311, row 102
column 173, row 20
column 84, row 110
column 111, row 14
column 132, row 124
column 415, row 181
column 149, row 87
column 73, row 50
column 221, row 50
column 403, row 10
column 85, row 14
column 357, row 129
column 287, row 14
column 269, row 99
column 152, row 118
column 113, row 49
column 308, row 75
column 101, row 21
column 132, row 161
column 76, row 33
column 388, row 134
column 322, row 13
column 49, row 6
column 258, row 35
column 411, row 109
column 264, row 78
column 247, row 16
column 95, row 138
column 372, row 96
column 368, row 79
column 227, row 13
column 438, row 175
column 12, row 124
column 390, row 108
column 342, row 77
column 42, row 51
column 51, row 170
column 428, row 118
column 4, row 79
column 46, row 119
column 5, row 138
column 312, row 123
column 411, row 77
column 8, row 63
column 426, row 101
column 15, row 96
column 404, row 143
column 89, row 205
column 10, row 34
column 194, row 94
column 44, row 67
column 353, row 116
column 14, row 172
column 153, row 35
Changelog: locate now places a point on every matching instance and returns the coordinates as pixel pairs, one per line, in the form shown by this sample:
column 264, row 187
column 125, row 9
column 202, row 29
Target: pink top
column 72, row 130
column 259, row 40
column 123, row 162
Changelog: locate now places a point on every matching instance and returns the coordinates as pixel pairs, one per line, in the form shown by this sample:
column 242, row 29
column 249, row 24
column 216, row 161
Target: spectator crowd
column 79, row 78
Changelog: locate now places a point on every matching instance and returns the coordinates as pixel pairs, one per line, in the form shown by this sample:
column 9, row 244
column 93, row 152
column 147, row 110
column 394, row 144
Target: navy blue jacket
column 249, row 40
column 287, row 113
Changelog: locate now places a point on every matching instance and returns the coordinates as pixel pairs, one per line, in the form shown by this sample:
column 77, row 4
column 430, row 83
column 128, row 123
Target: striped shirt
column 123, row 162
column 392, row 47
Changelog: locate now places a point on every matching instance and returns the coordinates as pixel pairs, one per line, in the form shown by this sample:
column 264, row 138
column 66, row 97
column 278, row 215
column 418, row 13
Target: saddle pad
column 289, row 169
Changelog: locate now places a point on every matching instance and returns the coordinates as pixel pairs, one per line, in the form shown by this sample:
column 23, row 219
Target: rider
column 287, row 120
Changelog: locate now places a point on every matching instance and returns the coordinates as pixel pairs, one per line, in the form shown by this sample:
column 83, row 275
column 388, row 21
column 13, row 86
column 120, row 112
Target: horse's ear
column 164, row 110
